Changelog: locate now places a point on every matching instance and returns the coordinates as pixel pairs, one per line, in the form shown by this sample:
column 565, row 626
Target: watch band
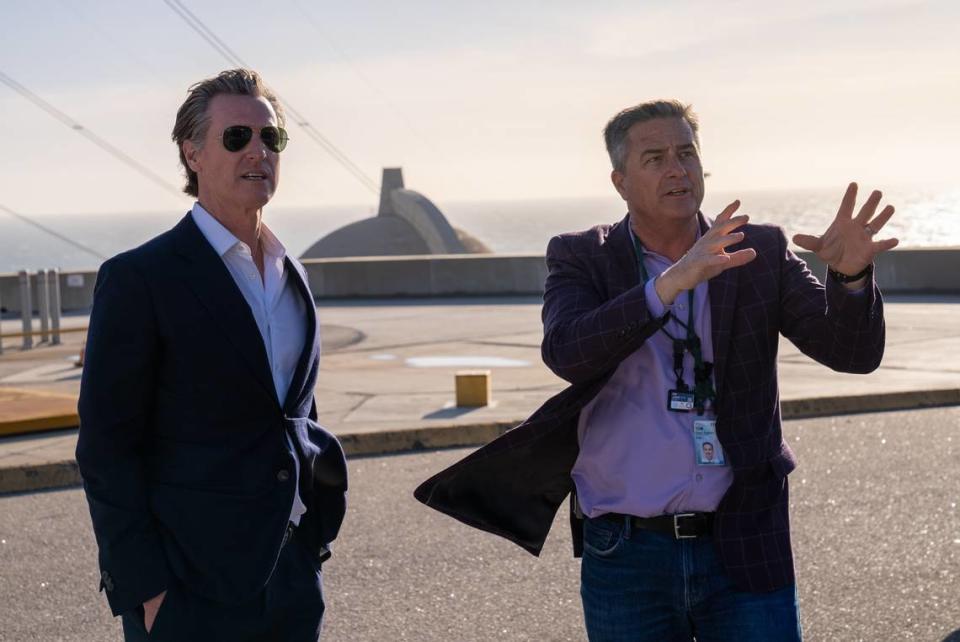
column 844, row 278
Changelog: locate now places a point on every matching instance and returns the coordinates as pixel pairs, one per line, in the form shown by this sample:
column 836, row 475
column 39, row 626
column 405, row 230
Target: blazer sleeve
column 116, row 412
column 840, row 329
column 586, row 336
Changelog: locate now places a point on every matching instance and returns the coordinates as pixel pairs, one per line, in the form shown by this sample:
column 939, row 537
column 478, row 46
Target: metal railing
column 49, row 308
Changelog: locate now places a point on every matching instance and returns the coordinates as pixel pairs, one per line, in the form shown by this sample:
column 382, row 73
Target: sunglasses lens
column 236, row 137
column 275, row 138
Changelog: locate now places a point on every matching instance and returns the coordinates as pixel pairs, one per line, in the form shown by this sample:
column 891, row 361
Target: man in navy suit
column 666, row 324
column 214, row 493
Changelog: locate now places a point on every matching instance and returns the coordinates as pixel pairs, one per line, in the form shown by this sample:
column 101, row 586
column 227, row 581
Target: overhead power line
column 207, row 34
column 127, row 54
column 372, row 86
column 90, row 135
column 46, row 229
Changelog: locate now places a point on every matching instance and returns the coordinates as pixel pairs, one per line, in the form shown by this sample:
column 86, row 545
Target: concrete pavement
column 874, row 513
column 386, row 381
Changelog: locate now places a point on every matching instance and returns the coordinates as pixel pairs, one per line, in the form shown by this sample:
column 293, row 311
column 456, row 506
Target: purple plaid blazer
column 594, row 316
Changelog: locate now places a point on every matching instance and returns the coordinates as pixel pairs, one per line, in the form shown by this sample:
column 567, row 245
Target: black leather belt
column 679, row 526
column 288, row 534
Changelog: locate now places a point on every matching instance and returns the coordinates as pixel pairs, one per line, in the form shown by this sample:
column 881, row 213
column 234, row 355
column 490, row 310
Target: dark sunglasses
column 236, row 137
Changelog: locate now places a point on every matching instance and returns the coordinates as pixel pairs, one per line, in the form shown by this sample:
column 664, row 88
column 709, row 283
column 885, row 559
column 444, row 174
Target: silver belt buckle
column 676, row 526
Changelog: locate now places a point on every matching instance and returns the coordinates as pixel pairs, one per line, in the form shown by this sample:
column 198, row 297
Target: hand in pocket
column 150, row 609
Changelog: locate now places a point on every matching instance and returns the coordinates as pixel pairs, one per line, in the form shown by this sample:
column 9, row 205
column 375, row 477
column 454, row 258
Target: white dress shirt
column 277, row 306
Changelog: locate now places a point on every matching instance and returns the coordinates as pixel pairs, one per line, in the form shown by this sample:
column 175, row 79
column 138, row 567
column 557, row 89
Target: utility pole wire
column 224, row 50
column 90, row 135
column 46, row 229
column 372, row 86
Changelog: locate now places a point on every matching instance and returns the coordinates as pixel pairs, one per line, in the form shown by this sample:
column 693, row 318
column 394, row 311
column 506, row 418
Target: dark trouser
column 290, row 608
column 641, row 586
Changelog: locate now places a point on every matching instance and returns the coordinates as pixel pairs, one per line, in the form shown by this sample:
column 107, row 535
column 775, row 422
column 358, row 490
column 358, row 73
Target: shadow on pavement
column 448, row 413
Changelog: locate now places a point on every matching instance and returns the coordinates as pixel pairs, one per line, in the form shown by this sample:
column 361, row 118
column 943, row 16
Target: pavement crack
column 505, row 344
column 364, row 397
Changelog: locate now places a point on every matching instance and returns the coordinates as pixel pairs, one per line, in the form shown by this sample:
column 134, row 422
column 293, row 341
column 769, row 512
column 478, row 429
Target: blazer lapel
column 210, row 280
column 311, row 344
column 723, row 299
column 621, row 247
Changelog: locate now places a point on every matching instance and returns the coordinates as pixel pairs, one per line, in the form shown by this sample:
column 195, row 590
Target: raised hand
column 848, row 246
column 707, row 258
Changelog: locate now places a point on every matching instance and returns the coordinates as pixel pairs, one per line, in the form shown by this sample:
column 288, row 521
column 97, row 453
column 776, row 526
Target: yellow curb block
column 28, row 411
column 39, row 424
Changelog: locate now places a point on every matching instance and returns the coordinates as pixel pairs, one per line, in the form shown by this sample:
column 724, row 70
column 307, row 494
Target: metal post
column 43, row 306
column 55, row 305
column 26, row 309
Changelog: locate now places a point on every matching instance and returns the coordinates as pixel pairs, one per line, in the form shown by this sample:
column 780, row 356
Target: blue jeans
column 639, row 585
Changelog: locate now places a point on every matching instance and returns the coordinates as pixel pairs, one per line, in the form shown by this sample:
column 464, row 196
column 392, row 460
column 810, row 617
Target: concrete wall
column 429, row 275
column 76, row 291
column 920, row 271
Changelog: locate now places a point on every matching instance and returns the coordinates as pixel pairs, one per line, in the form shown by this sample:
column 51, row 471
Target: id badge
column 680, row 401
column 706, row 445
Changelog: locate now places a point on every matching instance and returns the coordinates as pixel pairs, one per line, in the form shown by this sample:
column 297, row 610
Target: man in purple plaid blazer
column 666, row 324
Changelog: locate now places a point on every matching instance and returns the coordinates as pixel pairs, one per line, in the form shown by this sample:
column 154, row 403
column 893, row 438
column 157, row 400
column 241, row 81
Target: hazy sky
column 486, row 100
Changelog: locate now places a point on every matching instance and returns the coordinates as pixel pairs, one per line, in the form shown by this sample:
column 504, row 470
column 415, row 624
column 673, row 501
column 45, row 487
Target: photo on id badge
column 707, row 446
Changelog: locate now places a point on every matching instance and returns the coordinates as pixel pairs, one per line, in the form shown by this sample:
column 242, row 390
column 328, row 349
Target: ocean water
column 924, row 218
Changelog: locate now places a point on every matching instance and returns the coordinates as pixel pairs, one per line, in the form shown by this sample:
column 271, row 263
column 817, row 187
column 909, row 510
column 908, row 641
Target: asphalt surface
column 876, row 536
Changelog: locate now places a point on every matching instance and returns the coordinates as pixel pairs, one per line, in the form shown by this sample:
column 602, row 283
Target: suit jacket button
column 283, row 475
column 106, row 580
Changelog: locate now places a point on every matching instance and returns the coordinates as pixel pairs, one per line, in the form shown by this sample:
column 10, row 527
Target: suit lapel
column 620, row 244
column 723, row 299
column 210, row 280
column 311, row 347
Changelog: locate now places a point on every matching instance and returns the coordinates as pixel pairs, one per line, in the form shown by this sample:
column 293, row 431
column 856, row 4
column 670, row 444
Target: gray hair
column 615, row 133
column 193, row 119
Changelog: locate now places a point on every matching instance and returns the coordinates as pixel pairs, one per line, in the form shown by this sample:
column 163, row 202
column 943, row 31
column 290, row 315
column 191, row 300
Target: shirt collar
column 651, row 253
column 222, row 240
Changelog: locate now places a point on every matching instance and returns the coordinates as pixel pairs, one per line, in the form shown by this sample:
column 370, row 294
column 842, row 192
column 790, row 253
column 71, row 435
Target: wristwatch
column 844, row 278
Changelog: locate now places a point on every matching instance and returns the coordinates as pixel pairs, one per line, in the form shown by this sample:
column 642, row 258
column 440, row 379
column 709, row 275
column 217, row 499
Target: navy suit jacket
column 182, row 446
column 595, row 315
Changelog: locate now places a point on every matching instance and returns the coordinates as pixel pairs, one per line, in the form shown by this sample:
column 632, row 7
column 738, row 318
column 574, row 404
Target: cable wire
column 224, row 50
column 90, row 135
column 128, row 54
column 46, row 229
column 372, row 86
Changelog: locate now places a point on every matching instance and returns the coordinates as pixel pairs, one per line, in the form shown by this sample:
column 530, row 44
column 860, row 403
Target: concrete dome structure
column 407, row 222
